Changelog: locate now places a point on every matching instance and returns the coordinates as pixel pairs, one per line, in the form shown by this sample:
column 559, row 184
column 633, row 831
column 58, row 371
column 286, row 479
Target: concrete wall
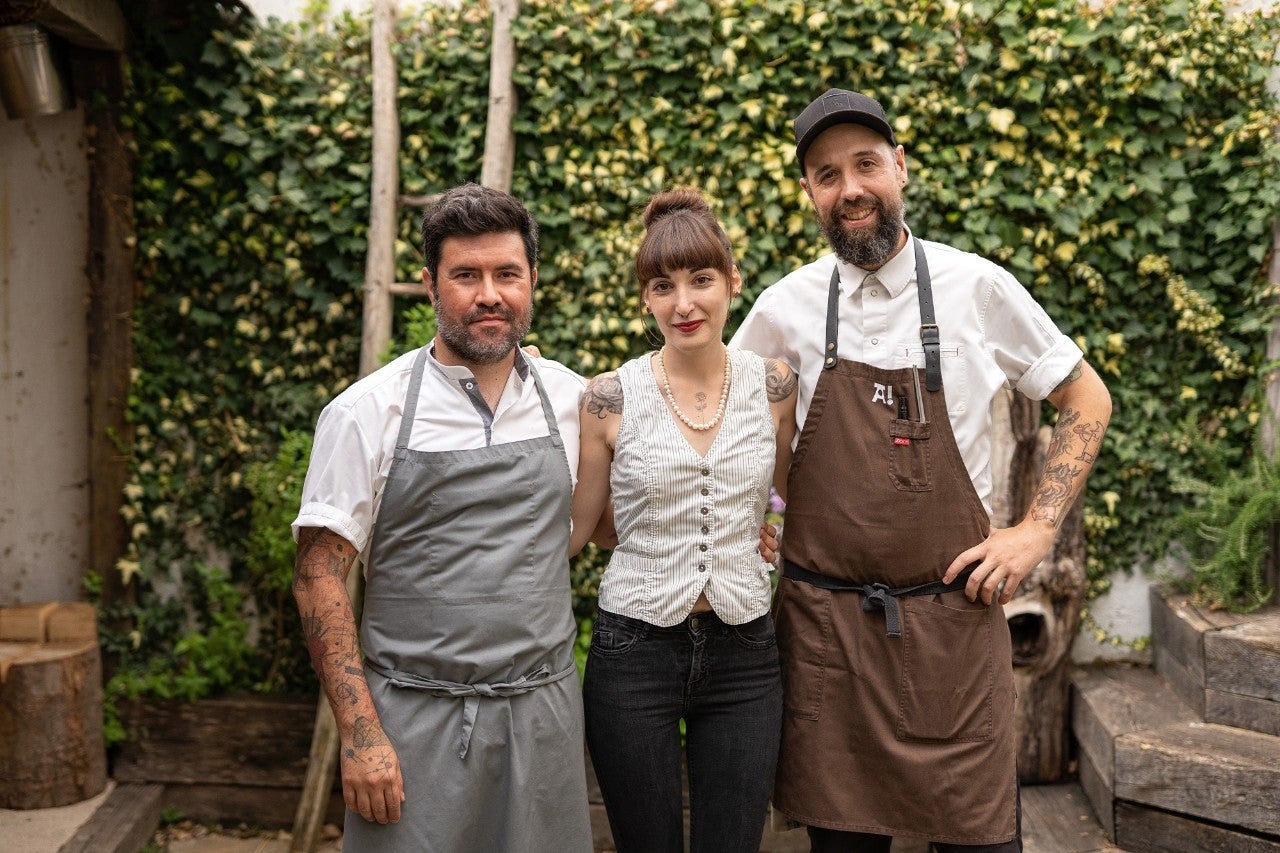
column 44, row 415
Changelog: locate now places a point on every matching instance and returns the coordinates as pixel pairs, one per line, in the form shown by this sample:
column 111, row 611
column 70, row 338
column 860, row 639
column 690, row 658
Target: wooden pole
column 112, row 294
column 379, row 270
column 499, row 137
column 308, row 820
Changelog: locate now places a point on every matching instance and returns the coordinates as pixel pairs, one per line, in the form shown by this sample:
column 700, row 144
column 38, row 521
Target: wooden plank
column 1202, row 770
column 1143, row 830
column 1111, row 701
column 256, row 806
column 1178, row 629
column 124, row 823
column 251, row 741
column 1100, row 794
column 1245, row 658
column 1243, row 712
column 25, row 623
column 1188, row 686
column 72, row 620
column 1058, row 818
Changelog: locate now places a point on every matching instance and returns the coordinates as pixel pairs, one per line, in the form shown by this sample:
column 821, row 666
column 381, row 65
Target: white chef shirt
column 994, row 335
column 356, row 433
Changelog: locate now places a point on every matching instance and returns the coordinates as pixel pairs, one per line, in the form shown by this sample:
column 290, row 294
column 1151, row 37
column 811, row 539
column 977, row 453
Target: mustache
column 480, row 314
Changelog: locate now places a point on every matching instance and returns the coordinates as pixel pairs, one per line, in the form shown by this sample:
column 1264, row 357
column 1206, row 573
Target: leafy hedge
column 1120, row 161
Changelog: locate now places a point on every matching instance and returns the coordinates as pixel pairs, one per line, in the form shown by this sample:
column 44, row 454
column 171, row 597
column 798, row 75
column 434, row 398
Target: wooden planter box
column 232, row 760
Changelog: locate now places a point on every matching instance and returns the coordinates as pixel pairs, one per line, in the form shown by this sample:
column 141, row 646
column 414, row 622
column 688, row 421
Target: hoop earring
column 653, row 334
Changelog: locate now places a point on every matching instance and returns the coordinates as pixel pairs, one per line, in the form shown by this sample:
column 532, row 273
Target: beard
column 865, row 248
column 489, row 347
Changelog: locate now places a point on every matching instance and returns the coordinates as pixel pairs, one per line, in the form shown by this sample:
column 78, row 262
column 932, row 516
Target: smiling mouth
column 688, row 327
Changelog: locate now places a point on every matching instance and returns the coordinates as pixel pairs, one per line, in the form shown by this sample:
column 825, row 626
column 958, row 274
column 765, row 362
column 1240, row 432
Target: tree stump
column 52, row 751
column 1045, row 613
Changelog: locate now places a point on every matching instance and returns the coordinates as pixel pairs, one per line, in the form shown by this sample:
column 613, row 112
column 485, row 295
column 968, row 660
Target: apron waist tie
column 874, row 595
column 470, row 694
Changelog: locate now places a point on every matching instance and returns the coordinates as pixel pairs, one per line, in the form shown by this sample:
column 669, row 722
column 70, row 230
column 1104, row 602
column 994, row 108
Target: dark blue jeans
column 723, row 681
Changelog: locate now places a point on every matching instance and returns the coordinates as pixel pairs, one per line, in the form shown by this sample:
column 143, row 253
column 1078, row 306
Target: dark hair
column 681, row 233
column 471, row 210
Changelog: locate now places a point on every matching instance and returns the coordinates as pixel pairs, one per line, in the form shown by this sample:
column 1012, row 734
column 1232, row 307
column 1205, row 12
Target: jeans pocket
column 947, row 681
column 615, row 635
column 756, row 634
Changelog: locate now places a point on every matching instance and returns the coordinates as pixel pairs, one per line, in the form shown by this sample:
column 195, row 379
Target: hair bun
column 674, row 201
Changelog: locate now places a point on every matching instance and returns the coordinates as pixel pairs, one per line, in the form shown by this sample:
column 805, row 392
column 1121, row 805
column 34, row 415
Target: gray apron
column 467, row 632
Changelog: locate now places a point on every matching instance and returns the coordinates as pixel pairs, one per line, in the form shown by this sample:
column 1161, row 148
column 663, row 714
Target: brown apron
column 898, row 690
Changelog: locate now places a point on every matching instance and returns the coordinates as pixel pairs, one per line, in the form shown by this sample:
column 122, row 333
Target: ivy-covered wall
column 1121, row 161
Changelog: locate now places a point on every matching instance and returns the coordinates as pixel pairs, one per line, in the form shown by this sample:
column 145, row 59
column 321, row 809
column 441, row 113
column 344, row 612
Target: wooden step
column 1242, row 675
column 124, row 823
column 1226, row 666
column 1141, row 746
column 1108, row 702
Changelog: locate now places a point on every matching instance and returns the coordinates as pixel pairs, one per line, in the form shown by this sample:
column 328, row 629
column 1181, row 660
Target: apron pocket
column 803, row 630
column 946, row 684
column 909, row 456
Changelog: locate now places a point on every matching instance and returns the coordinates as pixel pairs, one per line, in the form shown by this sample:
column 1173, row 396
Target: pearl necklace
column 671, row 398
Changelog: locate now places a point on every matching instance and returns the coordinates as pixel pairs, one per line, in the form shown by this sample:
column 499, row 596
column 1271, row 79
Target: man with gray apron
column 896, row 658
column 449, row 471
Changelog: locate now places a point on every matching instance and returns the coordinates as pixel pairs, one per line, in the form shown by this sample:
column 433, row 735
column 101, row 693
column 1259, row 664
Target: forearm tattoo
column 328, row 624
column 778, row 384
column 1073, row 448
column 603, row 396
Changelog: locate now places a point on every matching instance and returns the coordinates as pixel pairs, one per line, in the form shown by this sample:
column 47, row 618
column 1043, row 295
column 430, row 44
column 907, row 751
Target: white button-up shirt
column 994, row 335
column 356, row 434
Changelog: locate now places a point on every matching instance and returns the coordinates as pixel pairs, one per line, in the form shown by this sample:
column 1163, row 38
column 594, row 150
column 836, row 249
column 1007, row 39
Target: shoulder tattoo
column 603, row 396
column 779, row 381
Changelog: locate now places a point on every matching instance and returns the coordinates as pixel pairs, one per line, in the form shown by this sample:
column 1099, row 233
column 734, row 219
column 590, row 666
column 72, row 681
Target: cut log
column 52, row 752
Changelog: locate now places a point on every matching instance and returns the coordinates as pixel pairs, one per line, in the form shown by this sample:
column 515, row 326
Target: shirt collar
column 895, row 275
column 461, row 373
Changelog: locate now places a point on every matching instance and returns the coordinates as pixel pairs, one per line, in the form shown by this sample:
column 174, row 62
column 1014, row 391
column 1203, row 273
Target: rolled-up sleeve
column 342, row 479
column 1033, row 353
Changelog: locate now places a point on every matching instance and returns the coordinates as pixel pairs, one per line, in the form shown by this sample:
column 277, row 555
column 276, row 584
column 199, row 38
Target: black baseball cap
column 839, row 106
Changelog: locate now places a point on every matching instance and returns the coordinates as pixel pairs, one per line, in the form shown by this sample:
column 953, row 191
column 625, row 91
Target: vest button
column 705, row 510
column 702, row 567
column 706, row 472
column 702, row 547
column 706, row 529
column 706, row 491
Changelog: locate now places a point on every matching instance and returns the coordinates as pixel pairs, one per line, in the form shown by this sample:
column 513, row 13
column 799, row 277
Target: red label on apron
column 901, row 440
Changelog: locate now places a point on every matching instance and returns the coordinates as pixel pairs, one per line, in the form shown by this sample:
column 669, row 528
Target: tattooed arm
column 371, row 782
column 1009, row 555
column 599, row 415
column 780, row 388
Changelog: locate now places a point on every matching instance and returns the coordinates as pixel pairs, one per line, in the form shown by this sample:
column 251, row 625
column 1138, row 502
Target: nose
column 851, row 188
column 684, row 301
column 487, row 293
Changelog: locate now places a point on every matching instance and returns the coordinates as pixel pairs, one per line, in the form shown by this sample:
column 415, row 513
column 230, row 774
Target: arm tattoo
column 603, row 396
column 778, row 385
column 1072, row 451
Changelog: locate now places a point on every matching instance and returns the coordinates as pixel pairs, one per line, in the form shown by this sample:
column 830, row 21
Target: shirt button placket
column 706, row 511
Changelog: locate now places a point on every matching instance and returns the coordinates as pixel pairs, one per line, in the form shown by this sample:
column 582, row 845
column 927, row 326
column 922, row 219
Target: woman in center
column 685, row 442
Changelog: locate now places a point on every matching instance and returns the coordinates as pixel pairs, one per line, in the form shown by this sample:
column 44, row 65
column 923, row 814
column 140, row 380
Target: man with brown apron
column 896, row 657
column 449, row 470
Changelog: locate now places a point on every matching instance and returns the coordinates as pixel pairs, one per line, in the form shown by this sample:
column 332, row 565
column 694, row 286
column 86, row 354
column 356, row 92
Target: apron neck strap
column 928, row 323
